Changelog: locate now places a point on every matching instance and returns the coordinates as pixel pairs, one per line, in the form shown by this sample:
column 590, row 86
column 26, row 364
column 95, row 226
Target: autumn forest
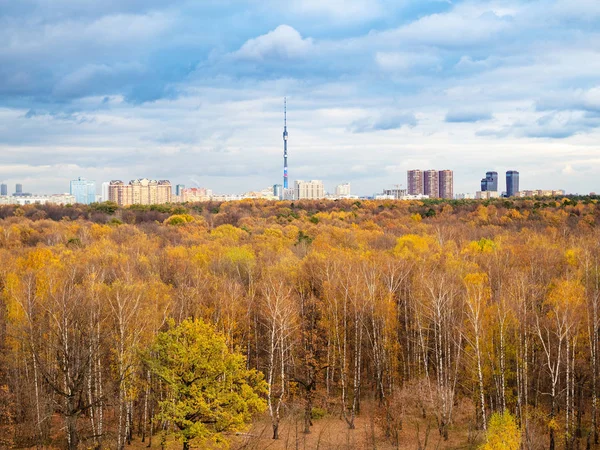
column 251, row 324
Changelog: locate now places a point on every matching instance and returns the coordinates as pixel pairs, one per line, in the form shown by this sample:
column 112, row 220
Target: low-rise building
column 486, row 195
column 140, row 192
column 541, row 193
column 308, row 190
column 58, row 199
column 195, row 195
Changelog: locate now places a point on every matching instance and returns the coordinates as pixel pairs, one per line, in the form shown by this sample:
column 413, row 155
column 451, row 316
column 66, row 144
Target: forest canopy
column 455, row 317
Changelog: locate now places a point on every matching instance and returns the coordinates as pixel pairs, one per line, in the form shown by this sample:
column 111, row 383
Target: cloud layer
column 192, row 91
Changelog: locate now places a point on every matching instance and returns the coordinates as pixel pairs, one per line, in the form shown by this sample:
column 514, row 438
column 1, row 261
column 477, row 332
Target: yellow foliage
column 503, row 433
column 483, row 245
column 228, row 232
column 179, row 219
column 572, row 256
column 412, row 244
column 567, row 295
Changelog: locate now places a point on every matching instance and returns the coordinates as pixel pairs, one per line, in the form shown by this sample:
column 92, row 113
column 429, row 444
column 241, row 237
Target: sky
column 192, row 91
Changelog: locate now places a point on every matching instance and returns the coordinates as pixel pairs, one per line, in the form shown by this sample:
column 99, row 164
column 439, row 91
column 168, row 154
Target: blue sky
column 192, row 91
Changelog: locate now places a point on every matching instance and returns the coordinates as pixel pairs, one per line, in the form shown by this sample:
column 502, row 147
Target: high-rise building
column 490, row 182
column 278, row 191
column 415, row 182
column 308, row 190
column 342, row 190
column 3, row 189
column 512, row 183
column 431, row 183
column 446, row 184
column 105, row 186
column 179, row 188
column 18, row 189
column 140, row 192
column 83, row 190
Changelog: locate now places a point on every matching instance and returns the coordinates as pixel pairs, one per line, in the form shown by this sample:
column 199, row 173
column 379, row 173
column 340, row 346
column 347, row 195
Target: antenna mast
column 285, row 139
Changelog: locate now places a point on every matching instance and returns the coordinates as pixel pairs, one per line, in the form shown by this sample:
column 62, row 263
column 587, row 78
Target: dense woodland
column 447, row 311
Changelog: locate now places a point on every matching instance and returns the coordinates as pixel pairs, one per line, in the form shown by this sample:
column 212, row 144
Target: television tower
column 285, row 138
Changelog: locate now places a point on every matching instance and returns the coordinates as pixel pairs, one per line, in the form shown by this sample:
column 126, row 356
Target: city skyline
column 173, row 91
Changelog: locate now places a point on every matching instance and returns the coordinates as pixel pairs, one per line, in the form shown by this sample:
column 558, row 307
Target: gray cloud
column 193, row 90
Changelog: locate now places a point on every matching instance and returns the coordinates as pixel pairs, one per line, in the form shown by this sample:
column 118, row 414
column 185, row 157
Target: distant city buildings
column 446, row 184
column 490, row 182
column 83, row 190
column 59, row 199
column 19, row 191
column 395, row 194
column 195, row 195
column 179, row 188
column 486, row 195
column 431, row 183
column 308, row 190
column 3, row 189
column 105, row 186
column 288, row 193
column 541, row 193
column 263, row 194
column 398, row 194
column 512, row 183
column 415, row 182
column 464, row 196
column 278, row 191
column 140, row 192
column 342, row 190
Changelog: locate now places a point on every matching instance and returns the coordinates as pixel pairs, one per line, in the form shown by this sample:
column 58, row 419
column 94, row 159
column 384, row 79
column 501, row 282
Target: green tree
column 210, row 390
column 503, row 433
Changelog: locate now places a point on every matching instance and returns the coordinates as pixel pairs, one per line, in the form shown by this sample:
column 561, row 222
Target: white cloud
column 284, row 42
column 404, row 61
column 461, row 26
column 346, row 10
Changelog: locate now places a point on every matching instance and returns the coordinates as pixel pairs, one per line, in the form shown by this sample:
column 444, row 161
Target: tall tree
column 210, row 391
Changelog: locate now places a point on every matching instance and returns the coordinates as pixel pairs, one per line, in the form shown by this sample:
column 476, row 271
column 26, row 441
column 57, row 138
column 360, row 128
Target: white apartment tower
column 342, row 190
column 308, row 190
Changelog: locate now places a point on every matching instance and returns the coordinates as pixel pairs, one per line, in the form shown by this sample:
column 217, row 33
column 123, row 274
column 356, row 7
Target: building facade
column 58, row 199
column 278, row 191
column 490, row 182
column 83, row 190
column 541, row 193
column 140, row 192
column 486, row 195
column 512, row 183
column 3, row 189
column 195, row 195
column 446, row 184
column 431, row 183
column 18, row 188
column 342, row 190
column 105, row 186
column 415, row 182
column 308, row 190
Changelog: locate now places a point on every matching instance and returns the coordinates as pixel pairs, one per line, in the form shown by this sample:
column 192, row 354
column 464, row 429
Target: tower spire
column 285, row 139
